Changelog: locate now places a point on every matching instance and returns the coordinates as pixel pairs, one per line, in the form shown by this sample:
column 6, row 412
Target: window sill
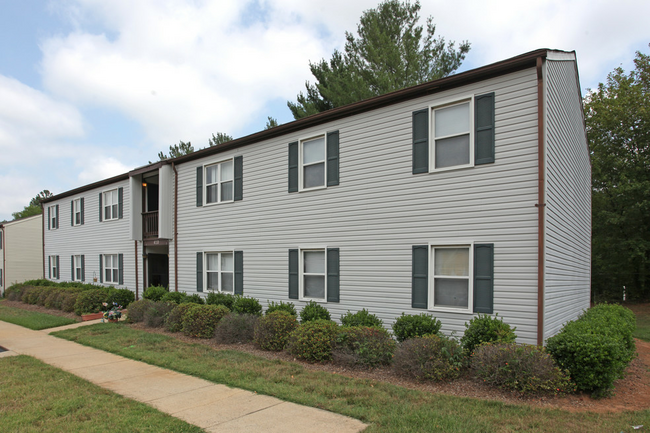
column 450, row 310
column 455, row 167
column 317, row 300
column 218, row 203
column 316, row 188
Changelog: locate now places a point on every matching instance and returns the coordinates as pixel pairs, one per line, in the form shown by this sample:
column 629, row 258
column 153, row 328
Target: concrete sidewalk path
column 213, row 407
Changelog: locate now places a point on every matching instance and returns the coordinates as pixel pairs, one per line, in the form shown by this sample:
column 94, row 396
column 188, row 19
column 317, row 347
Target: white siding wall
column 380, row 209
column 568, row 200
column 23, row 246
column 93, row 237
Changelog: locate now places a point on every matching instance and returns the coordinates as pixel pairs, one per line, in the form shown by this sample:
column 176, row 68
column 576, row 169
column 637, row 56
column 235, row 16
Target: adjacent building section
column 21, row 248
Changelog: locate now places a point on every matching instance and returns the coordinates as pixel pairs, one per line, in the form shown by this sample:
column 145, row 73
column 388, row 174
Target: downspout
column 4, row 262
column 136, row 270
column 541, row 203
column 43, row 236
column 175, row 227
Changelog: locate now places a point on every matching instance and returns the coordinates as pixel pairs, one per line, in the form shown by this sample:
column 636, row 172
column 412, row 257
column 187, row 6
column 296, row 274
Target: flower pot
column 113, row 320
column 92, row 316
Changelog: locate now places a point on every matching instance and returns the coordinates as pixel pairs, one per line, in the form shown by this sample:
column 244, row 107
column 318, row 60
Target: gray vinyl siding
column 568, row 200
column 380, row 210
column 93, row 237
column 23, row 251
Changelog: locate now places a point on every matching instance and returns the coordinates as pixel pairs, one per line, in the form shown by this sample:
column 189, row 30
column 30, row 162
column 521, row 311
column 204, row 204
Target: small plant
column 245, row 305
column 363, row 345
column 194, row 298
column 431, row 357
column 519, row 367
column 313, row 340
column 272, row 331
column 138, row 309
column 409, row 326
column 90, row 301
column 218, row 298
column 314, row 311
column 486, row 329
column 175, row 297
column 156, row 314
column 174, row 320
column 236, row 328
column 155, row 293
column 200, row 321
column 114, row 313
column 361, row 318
column 121, row 297
column 281, row 306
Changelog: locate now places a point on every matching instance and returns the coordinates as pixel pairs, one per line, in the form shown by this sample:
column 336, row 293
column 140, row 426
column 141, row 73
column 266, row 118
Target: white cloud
column 99, row 167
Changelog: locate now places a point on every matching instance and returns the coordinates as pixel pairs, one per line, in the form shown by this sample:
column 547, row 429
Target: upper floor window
column 77, row 212
column 53, row 217
column 452, row 132
column 313, row 162
column 219, row 182
column 220, row 272
column 110, row 200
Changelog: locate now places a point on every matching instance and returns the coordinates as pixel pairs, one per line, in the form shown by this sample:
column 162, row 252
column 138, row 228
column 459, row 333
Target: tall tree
column 220, row 138
column 34, row 206
column 271, row 123
column 391, row 52
column 176, row 150
column 618, row 128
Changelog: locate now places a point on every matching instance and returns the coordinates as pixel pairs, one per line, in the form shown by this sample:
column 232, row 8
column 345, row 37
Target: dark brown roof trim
column 88, row 187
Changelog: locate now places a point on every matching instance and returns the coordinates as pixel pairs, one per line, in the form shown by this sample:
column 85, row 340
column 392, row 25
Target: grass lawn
column 387, row 408
column 32, row 319
column 35, row 397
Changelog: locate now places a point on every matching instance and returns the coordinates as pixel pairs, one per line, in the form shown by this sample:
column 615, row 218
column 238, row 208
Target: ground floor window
column 451, row 276
column 313, row 274
column 111, row 269
column 219, row 272
column 54, row 267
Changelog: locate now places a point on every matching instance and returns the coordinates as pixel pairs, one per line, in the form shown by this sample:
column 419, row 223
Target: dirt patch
column 630, row 393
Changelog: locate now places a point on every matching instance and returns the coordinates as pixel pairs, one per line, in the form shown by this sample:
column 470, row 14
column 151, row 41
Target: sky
column 94, row 88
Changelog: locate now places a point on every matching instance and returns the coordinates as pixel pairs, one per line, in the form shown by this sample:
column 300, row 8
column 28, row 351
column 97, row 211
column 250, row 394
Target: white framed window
column 313, row 163
column 111, row 269
column 54, row 268
column 452, row 132
column 313, row 274
column 219, row 182
column 451, row 277
column 53, row 215
column 110, row 204
column 76, row 212
column 219, row 272
column 77, row 269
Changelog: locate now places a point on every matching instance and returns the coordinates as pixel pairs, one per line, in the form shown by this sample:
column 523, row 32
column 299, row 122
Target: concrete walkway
column 215, row 408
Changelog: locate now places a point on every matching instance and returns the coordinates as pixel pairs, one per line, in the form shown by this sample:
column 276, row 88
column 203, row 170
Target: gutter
column 175, row 227
column 4, row 262
column 43, row 236
column 541, row 203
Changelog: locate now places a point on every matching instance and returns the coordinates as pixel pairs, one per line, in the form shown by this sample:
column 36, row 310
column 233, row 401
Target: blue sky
column 93, row 88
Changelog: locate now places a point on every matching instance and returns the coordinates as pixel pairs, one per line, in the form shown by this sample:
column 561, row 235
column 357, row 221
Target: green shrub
column 156, row 314
column 43, row 295
column 486, row 329
column 200, row 321
column 174, row 321
column 15, row 292
column 90, row 301
column 30, row 296
column 314, row 311
column 410, row 326
column 431, row 357
column 52, row 300
column 194, row 298
column 361, row 318
column 122, row 297
column 272, row 331
column 281, row 306
column 236, row 328
column 518, row 367
column 368, row 346
column 137, row 310
column 69, row 300
column 219, row 298
column 313, row 340
column 155, row 293
column 596, row 348
column 244, row 305
column 175, row 297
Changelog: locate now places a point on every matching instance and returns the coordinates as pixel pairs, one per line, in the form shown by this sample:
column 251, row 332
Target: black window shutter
column 333, row 275
column 484, row 278
column 239, row 272
column 72, row 275
column 101, row 269
column 293, row 166
column 293, row 274
column 332, row 158
column 83, row 268
column 238, row 178
column 57, row 217
column 100, row 207
column 484, row 129
column 120, row 203
column 58, row 269
column 72, row 213
column 421, row 141
column 49, row 267
column 49, row 220
column 199, row 186
column 120, row 268
column 199, row 272
column 420, row 281
column 81, row 204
